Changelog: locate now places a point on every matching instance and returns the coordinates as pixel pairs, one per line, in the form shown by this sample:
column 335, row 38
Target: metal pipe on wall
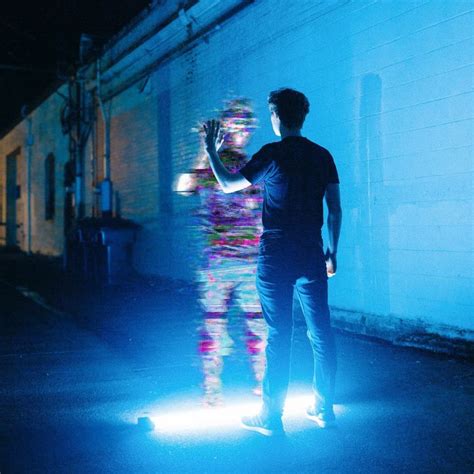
column 76, row 148
column 106, row 120
column 205, row 28
column 29, row 146
column 106, row 188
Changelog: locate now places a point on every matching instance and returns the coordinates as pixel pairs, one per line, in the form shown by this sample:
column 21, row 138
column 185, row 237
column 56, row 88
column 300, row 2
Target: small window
column 49, row 187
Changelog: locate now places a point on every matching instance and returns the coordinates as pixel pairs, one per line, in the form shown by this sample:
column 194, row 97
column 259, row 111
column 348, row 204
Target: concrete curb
column 410, row 333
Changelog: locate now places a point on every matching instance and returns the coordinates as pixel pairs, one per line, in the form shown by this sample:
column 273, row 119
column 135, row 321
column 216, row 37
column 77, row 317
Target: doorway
column 12, row 196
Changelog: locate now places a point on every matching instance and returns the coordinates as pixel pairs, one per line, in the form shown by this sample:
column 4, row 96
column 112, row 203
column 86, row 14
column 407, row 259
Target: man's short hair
column 291, row 106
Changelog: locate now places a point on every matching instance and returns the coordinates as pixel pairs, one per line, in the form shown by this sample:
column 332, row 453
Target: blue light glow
column 185, row 419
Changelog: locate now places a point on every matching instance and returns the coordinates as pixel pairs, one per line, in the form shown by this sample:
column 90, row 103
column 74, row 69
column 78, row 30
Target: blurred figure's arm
column 187, row 183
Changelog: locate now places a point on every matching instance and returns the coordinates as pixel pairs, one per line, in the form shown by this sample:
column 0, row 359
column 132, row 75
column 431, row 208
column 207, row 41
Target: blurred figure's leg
column 211, row 354
column 256, row 341
column 214, row 342
column 255, row 325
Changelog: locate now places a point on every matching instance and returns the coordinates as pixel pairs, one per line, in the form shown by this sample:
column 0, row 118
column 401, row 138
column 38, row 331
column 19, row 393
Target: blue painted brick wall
column 391, row 91
column 390, row 85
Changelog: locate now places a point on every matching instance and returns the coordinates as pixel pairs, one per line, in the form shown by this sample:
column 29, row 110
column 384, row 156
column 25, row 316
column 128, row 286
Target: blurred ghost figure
column 232, row 225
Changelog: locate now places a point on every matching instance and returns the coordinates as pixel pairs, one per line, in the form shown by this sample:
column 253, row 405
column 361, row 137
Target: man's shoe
column 323, row 418
column 263, row 425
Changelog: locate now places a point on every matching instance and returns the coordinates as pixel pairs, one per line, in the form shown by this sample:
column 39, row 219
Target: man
column 297, row 175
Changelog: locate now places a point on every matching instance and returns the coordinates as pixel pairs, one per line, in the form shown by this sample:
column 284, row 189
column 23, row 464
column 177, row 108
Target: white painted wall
column 391, row 90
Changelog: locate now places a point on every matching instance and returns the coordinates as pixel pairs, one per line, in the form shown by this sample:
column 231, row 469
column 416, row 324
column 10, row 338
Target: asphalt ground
column 79, row 365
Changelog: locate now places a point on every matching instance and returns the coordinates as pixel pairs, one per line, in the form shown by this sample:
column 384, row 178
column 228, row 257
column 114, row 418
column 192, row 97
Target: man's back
column 296, row 173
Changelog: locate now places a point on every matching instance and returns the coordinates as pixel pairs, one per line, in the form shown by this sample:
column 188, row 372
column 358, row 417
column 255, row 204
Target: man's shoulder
column 268, row 149
column 317, row 147
column 270, row 146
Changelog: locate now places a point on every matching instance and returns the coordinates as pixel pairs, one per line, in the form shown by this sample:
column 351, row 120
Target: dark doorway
column 49, row 187
column 13, row 191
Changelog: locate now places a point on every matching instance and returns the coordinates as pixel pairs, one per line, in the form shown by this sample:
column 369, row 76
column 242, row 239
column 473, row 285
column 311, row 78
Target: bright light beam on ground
column 222, row 418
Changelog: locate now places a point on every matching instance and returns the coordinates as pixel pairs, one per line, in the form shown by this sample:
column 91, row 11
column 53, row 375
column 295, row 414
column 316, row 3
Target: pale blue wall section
column 390, row 85
column 391, row 91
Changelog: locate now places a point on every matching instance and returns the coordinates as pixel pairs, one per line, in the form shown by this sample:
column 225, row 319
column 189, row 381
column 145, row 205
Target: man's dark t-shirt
column 295, row 172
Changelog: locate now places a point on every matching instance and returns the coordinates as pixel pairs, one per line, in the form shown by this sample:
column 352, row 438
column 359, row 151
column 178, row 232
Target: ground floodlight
column 189, row 420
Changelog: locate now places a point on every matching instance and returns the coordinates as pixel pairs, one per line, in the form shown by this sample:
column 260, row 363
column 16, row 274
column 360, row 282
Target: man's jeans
column 286, row 264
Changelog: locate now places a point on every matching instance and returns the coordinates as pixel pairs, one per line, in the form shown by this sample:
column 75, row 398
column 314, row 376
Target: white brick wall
column 390, row 85
column 46, row 235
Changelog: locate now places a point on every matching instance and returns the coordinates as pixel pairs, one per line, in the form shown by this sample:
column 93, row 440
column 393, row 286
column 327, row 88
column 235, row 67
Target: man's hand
column 229, row 182
column 331, row 263
column 214, row 135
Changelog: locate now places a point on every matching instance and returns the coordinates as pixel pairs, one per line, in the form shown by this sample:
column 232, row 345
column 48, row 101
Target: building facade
column 390, row 87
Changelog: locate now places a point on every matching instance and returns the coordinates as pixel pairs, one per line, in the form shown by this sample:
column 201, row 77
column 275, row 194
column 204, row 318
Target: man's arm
column 230, row 182
column 333, row 201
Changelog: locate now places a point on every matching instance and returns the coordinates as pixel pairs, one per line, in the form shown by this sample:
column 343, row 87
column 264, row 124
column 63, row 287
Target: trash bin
column 100, row 249
column 115, row 261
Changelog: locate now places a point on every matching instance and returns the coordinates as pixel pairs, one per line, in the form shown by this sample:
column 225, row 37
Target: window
column 49, row 187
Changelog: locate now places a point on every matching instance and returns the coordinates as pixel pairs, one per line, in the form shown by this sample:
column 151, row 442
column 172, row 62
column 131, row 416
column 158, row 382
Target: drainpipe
column 29, row 146
column 106, row 188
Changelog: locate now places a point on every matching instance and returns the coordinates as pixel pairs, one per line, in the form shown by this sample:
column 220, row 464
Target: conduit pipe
column 204, row 15
column 29, row 145
column 106, row 189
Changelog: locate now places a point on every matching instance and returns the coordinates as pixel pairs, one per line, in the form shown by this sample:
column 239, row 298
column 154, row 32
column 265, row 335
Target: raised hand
column 214, row 135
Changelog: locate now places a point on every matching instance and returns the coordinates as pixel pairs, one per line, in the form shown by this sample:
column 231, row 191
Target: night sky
column 40, row 44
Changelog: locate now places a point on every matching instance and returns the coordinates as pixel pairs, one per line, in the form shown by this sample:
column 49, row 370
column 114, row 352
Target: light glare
column 223, row 418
